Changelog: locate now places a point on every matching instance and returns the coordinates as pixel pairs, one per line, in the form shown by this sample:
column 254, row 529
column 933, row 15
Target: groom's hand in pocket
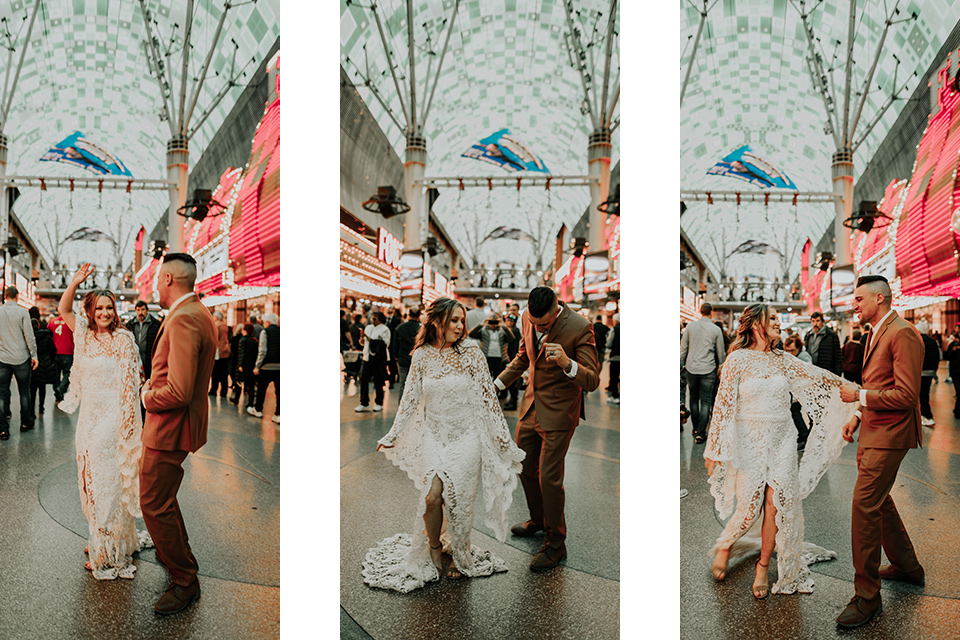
column 850, row 428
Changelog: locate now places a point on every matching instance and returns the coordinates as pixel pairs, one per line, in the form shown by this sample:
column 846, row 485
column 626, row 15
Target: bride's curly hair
column 90, row 307
column 755, row 315
column 438, row 317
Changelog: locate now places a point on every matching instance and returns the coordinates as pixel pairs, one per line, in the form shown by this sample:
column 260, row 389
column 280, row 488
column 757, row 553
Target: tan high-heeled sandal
column 761, row 591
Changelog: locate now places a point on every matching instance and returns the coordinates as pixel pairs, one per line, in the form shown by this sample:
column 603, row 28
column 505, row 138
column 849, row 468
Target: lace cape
column 734, row 442
column 402, row 562
column 108, row 544
column 500, row 456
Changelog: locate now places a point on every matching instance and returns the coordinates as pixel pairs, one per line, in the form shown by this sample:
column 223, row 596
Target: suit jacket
column 891, row 376
column 557, row 397
column 176, row 402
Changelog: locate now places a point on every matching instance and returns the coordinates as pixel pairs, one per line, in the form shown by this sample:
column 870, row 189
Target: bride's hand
column 710, row 465
column 82, row 273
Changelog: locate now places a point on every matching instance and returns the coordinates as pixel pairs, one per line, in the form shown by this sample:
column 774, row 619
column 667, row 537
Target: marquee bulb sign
column 389, row 248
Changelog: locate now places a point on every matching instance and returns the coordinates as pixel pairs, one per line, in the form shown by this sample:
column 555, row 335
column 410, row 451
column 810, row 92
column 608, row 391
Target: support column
column 842, row 173
column 178, row 163
column 416, row 225
column 598, row 155
column 4, row 213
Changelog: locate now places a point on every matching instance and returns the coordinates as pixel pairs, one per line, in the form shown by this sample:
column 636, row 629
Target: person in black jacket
column 953, row 361
column 512, row 337
column 823, row 345
column 600, row 335
column 144, row 329
column 931, row 361
column 246, row 361
column 402, row 344
column 46, row 371
column 236, row 384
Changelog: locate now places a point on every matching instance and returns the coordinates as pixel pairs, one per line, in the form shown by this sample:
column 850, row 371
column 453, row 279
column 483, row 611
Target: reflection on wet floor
column 230, row 500
column 925, row 491
column 580, row 599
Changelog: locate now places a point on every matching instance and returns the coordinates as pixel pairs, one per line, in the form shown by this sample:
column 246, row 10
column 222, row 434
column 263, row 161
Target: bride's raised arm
column 66, row 300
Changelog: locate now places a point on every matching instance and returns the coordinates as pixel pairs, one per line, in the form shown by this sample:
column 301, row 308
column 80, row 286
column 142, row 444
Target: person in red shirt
column 63, row 339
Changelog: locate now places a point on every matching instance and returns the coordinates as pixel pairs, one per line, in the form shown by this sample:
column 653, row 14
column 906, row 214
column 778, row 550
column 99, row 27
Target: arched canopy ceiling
column 85, row 69
column 750, row 84
column 507, row 66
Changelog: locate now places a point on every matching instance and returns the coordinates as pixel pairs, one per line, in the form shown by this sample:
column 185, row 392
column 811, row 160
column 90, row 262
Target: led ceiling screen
column 507, row 67
column 750, row 84
column 85, row 69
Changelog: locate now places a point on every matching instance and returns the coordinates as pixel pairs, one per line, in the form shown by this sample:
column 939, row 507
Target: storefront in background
column 370, row 265
column 237, row 244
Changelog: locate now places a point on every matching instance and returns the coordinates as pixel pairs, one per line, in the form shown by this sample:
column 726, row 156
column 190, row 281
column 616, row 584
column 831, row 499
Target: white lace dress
column 449, row 424
column 753, row 435
column 104, row 381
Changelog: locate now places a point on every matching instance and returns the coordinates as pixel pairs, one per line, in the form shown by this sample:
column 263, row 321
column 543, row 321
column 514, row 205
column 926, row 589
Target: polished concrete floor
column 230, row 500
column 580, row 599
column 926, row 495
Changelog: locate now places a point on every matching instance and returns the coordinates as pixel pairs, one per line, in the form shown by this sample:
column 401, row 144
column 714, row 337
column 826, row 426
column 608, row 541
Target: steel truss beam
column 99, row 184
column 512, row 183
column 765, row 197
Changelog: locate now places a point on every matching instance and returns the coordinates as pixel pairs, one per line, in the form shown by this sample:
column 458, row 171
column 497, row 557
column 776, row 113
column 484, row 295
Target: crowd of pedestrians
column 376, row 347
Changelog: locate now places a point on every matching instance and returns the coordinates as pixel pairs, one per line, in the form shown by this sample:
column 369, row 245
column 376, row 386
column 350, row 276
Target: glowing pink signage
column 927, row 244
column 389, row 248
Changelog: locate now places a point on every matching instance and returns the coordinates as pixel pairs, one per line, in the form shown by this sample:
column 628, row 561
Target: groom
column 890, row 413
column 175, row 397
column 557, row 347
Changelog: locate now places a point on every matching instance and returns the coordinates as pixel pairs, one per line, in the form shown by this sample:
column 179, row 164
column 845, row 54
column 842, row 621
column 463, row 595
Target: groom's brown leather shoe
column 548, row 558
column 525, row 529
column 859, row 612
column 177, row 598
column 889, row 572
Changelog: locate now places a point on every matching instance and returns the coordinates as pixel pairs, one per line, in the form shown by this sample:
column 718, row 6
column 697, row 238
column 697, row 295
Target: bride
column 449, row 435
column 104, row 383
column 751, row 451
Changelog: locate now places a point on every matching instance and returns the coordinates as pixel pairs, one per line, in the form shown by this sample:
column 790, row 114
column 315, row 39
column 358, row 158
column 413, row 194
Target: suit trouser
column 875, row 522
column 542, row 477
column 161, row 473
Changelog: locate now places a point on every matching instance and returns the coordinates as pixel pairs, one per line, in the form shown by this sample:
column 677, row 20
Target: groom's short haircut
column 877, row 284
column 182, row 266
column 10, row 293
column 541, row 301
column 706, row 309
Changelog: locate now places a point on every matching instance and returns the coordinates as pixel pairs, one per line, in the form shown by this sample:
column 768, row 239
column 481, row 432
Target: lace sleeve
column 410, row 408
column 722, row 437
column 500, row 457
column 131, row 422
column 71, row 399
column 487, row 393
column 818, row 392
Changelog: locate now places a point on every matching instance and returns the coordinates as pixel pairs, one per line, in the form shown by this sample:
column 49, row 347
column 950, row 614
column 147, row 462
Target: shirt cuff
column 863, row 397
column 859, row 416
column 499, row 385
column 573, row 370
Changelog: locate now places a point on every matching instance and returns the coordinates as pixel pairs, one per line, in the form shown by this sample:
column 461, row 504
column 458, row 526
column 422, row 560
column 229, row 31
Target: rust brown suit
column 889, row 427
column 177, row 414
column 550, row 410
